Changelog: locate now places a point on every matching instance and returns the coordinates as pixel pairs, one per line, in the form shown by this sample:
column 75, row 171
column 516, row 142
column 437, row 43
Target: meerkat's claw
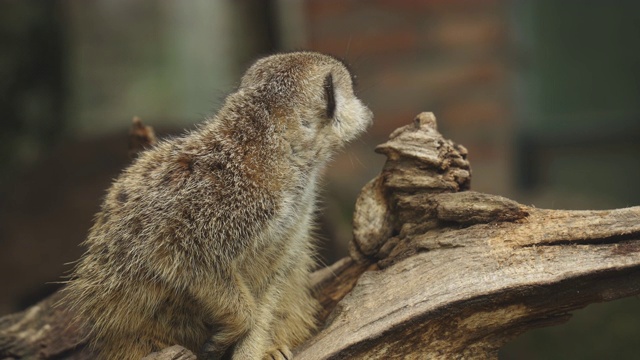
column 279, row 353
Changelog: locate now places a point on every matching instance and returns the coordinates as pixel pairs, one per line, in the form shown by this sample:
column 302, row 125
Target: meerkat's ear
column 329, row 95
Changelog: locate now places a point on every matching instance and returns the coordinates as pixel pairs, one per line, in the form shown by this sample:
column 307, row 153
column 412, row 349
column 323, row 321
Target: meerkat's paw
column 279, row 353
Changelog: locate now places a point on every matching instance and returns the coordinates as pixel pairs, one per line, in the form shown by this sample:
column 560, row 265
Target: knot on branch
column 420, row 163
column 421, row 187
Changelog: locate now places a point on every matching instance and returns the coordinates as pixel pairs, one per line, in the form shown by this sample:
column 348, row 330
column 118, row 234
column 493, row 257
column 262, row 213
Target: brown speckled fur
column 205, row 240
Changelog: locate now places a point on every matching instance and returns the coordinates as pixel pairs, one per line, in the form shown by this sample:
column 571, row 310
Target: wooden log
column 435, row 270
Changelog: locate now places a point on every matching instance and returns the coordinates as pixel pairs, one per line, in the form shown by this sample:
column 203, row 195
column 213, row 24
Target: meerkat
column 205, row 240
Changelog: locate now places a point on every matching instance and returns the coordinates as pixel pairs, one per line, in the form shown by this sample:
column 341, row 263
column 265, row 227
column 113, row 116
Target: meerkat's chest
column 281, row 242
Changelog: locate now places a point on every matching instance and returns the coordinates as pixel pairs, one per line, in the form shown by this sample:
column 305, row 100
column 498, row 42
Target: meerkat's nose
column 368, row 116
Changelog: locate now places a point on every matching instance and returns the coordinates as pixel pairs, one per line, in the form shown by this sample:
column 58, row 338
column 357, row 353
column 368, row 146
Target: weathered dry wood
column 436, row 271
column 461, row 273
column 44, row 331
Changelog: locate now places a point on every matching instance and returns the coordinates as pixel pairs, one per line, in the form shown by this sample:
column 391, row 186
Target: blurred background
column 544, row 94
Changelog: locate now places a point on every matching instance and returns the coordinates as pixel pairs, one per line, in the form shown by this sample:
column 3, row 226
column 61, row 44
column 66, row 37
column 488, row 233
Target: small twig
column 141, row 137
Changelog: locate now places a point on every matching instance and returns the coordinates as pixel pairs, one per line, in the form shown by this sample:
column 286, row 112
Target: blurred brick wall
column 449, row 57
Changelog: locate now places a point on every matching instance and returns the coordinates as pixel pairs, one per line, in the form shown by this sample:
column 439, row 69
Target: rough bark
column 435, row 270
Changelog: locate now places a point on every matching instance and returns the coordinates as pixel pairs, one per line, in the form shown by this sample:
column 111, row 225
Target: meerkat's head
column 311, row 96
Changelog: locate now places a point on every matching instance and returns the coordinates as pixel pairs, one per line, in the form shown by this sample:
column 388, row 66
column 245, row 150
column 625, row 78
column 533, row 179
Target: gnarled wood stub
column 435, row 270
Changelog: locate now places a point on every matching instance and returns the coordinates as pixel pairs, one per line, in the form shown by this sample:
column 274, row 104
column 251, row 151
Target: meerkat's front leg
column 285, row 316
column 232, row 315
column 295, row 315
column 255, row 344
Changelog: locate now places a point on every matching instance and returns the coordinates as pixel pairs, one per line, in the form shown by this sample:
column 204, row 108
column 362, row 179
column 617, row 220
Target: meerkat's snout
column 352, row 117
column 349, row 115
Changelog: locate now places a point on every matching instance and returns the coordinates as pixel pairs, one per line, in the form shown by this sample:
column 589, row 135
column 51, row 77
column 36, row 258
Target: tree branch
column 435, row 270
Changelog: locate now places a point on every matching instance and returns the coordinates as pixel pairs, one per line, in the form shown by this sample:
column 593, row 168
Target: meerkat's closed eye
column 329, row 96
